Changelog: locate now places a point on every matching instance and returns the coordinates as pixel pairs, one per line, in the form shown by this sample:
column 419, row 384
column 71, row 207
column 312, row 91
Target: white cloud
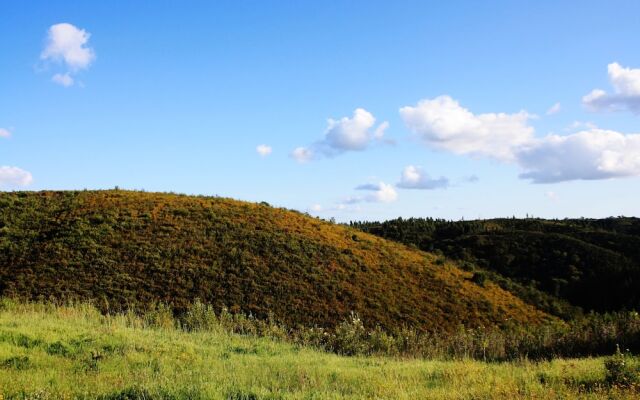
column 414, row 177
column 14, row 176
column 624, row 80
column 346, row 134
column 588, row 155
column 554, row 109
column 380, row 130
column 302, row 154
column 553, row 196
column 626, row 91
column 63, row 79
column 264, row 150
column 339, row 207
column 350, row 133
column 380, row 193
column 443, row 124
column 346, row 207
column 581, row 125
column 68, row 45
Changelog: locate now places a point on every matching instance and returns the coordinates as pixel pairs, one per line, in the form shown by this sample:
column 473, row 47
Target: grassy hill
column 50, row 352
column 592, row 264
column 129, row 249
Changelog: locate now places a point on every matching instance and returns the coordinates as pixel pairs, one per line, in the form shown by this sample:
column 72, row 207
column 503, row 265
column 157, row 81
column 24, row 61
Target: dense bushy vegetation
column 591, row 335
column 589, row 263
column 126, row 249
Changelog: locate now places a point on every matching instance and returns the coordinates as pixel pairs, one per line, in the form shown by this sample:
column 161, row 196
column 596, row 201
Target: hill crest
column 127, row 249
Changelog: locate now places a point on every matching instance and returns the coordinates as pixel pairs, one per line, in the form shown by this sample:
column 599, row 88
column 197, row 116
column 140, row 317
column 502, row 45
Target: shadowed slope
column 590, row 263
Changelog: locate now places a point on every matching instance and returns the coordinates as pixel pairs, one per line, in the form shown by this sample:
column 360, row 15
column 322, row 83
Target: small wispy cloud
column 302, row 154
column 554, row 109
column 339, row 207
column 553, row 196
column 414, row 177
column 471, row 179
column 575, row 125
column 264, row 150
column 63, row 79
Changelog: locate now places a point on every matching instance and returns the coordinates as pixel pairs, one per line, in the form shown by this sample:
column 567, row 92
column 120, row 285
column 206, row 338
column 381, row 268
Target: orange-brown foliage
column 128, row 249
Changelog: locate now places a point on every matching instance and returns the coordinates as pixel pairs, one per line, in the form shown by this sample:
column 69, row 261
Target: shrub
column 351, row 337
column 160, row 316
column 619, row 370
column 479, row 278
column 200, row 317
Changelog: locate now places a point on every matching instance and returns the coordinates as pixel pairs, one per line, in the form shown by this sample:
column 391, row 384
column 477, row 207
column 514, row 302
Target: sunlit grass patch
column 51, row 352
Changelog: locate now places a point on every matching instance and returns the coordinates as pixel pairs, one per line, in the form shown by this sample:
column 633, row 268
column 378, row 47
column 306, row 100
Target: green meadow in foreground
column 50, row 352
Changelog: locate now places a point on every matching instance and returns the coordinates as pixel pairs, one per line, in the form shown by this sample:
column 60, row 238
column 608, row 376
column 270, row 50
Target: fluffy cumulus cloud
column 68, row 45
column 414, row 177
column 350, row 133
column 5, row 133
column 626, row 91
column 14, row 177
column 353, row 133
column 444, row 124
column 588, row 155
column 264, row 150
column 379, row 193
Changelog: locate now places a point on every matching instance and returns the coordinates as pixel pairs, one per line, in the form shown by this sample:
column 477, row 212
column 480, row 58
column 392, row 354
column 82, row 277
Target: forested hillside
column 591, row 263
column 125, row 249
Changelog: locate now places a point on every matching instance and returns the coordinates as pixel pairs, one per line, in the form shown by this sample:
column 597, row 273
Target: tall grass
column 75, row 352
column 591, row 335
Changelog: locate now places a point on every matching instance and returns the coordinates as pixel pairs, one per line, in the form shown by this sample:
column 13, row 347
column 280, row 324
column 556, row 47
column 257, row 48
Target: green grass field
column 50, row 352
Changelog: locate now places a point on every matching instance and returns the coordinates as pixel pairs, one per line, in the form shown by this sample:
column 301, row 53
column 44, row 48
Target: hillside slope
column 593, row 264
column 127, row 249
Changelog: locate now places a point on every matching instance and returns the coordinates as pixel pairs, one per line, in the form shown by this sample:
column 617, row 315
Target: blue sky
column 176, row 96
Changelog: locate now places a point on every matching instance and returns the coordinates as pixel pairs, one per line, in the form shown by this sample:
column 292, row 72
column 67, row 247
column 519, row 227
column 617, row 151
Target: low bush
column 620, row 372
